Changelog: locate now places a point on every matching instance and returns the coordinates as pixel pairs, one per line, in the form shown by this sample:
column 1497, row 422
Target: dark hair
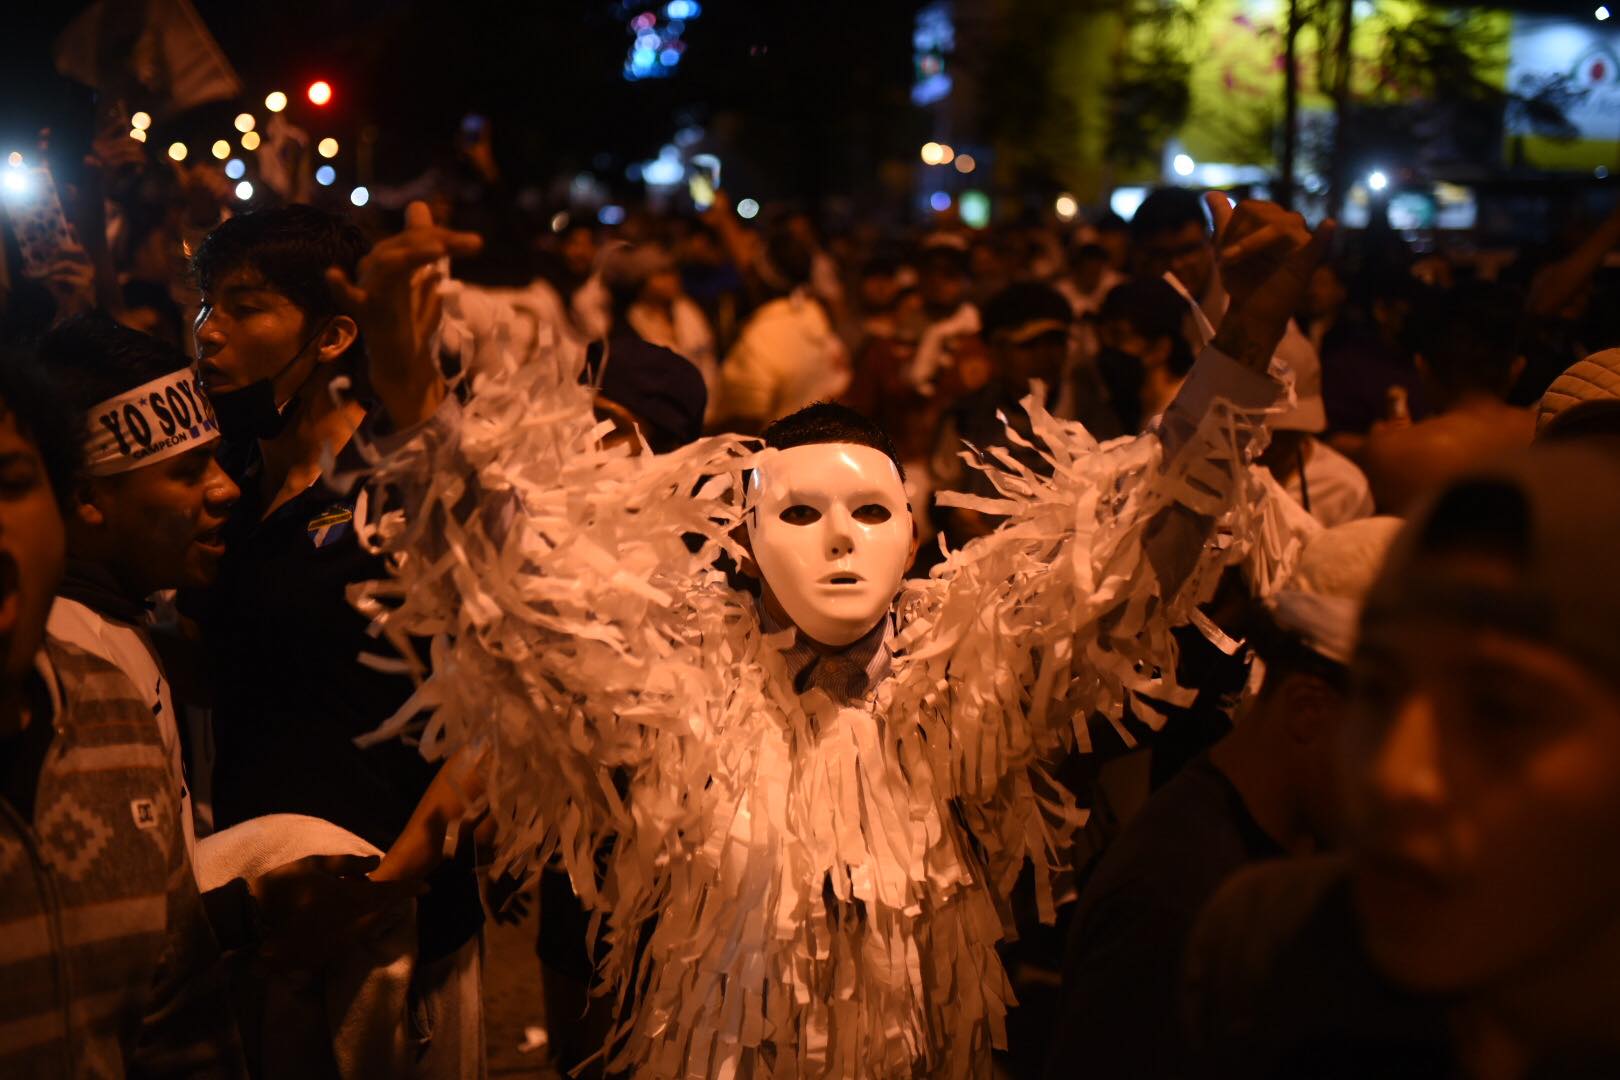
column 1166, row 210
column 290, row 246
column 1024, row 303
column 825, row 422
column 1469, row 338
column 44, row 418
column 1088, row 253
column 150, row 294
column 789, row 257
column 92, row 358
column 1155, row 310
column 1111, row 222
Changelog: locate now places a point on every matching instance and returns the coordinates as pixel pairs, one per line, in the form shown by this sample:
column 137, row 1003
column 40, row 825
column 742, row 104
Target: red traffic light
column 320, row 92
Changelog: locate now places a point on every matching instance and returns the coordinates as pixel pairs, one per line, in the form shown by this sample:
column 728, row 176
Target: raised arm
column 1065, row 611
column 568, row 590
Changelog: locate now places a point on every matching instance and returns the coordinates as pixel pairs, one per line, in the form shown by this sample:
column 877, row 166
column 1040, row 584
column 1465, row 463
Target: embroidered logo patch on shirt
column 330, row 525
column 144, row 811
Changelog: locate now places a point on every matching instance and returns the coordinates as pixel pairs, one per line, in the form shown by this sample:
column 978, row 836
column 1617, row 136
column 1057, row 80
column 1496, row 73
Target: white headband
column 165, row 417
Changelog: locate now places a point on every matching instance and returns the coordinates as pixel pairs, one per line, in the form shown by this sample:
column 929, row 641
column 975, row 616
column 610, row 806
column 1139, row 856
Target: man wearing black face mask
column 288, row 654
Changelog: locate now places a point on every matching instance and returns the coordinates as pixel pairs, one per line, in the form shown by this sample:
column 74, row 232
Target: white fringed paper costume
column 795, row 887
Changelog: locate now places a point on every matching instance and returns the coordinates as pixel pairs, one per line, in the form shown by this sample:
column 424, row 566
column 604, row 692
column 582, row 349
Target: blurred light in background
column 250, row 141
column 325, row 175
column 15, row 181
column 1377, row 180
column 359, row 196
column 611, row 214
column 244, row 122
column 946, row 154
column 1066, row 207
column 275, row 101
column 559, row 221
column 939, row 201
column 965, row 163
column 221, row 149
column 1601, row 14
column 244, row 191
column 932, row 153
column 234, row 168
column 327, row 148
column 320, row 92
column 137, row 134
column 748, row 209
column 140, row 121
column 1184, row 165
column 1125, row 200
column 177, row 151
column 15, row 159
column 974, row 207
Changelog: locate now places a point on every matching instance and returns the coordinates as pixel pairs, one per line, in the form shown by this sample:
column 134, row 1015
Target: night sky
column 809, row 97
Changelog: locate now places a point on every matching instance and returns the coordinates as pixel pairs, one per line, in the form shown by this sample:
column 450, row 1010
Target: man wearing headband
column 1474, row 928
column 1267, row 790
column 148, row 516
column 109, row 968
column 816, row 798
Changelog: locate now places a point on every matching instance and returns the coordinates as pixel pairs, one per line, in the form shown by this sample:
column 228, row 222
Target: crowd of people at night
column 1248, row 681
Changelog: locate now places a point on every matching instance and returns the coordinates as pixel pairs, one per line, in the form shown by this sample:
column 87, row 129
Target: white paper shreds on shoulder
column 786, row 887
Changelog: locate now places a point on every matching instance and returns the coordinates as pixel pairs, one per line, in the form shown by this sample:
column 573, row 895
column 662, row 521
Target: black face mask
column 252, row 412
column 1122, row 375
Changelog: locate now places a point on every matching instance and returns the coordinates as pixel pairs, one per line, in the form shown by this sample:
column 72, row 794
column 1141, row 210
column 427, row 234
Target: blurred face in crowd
column 1088, row 273
column 942, row 284
column 1041, row 357
column 1325, row 294
column 158, row 526
column 31, row 550
column 1185, row 252
column 247, row 331
column 662, row 288
column 1485, row 801
column 879, row 291
column 579, row 252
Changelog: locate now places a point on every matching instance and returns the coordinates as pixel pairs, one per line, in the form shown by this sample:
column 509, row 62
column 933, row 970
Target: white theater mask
column 831, row 533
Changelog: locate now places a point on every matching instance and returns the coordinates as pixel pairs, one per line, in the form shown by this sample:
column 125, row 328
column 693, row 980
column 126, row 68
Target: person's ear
column 85, row 507
column 336, row 338
column 1311, row 708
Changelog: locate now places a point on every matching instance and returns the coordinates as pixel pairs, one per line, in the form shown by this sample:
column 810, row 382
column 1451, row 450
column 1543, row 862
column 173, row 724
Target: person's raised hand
column 71, row 280
column 395, row 301
column 309, row 905
column 1265, row 256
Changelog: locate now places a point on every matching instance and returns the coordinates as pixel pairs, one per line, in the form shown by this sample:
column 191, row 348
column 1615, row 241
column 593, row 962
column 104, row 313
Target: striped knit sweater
column 107, row 965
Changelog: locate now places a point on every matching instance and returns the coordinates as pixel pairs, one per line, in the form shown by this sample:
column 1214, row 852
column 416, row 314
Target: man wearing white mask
column 816, row 796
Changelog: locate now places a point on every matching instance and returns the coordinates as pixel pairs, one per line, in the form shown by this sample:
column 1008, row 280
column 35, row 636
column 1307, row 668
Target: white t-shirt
column 129, row 649
column 1338, row 490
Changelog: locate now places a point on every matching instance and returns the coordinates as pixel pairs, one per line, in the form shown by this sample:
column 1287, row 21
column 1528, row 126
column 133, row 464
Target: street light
column 1377, row 180
column 1184, row 165
column 320, row 92
column 275, row 101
